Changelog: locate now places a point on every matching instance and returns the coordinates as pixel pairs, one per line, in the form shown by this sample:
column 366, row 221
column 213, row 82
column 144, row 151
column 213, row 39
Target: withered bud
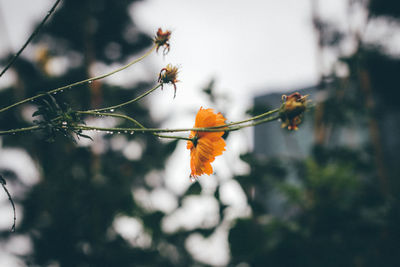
column 292, row 110
column 167, row 75
column 162, row 40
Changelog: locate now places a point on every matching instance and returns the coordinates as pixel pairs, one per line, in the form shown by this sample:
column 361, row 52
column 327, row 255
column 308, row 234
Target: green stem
column 250, row 119
column 254, row 123
column 157, row 130
column 30, row 38
column 80, row 82
column 13, row 131
column 116, row 115
column 127, row 102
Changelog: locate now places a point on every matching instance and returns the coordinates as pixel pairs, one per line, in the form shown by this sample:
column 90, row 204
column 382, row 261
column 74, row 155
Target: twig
column 89, row 80
column 3, row 183
column 127, row 102
column 30, row 38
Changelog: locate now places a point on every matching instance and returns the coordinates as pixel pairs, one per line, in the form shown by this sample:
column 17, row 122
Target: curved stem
column 3, row 183
column 30, row 38
column 80, row 82
column 127, row 102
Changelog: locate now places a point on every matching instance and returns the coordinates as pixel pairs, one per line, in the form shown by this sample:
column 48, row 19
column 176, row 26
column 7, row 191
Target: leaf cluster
column 56, row 118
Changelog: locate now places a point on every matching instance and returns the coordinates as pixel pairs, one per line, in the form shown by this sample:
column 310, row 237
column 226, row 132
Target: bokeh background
column 325, row 195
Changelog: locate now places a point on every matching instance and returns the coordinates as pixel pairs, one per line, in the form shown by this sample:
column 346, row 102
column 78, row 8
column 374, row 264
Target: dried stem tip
column 162, row 40
column 292, row 110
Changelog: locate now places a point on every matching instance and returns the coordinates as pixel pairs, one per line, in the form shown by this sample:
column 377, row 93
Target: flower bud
column 168, row 75
column 162, row 40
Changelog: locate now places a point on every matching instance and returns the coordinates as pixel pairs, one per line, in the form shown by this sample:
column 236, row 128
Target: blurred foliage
column 384, row 8
column 333, row 214
column 70, row 214
column 340, row 205
column 336, row 207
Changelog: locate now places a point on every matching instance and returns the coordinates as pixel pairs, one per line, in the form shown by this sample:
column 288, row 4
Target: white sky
column 249, row 47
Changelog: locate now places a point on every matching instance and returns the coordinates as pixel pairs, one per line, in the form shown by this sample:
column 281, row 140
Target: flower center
column 195, row 139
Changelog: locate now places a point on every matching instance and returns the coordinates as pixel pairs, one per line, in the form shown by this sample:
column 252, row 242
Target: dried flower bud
column 168, row 75
column 162, row 40
column 292, row 110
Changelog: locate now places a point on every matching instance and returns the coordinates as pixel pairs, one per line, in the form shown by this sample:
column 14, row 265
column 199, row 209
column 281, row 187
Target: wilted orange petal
column 208, row 144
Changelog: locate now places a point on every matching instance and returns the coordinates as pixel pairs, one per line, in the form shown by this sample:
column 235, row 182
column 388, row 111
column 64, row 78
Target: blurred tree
column 340, row 206
column 70, row 213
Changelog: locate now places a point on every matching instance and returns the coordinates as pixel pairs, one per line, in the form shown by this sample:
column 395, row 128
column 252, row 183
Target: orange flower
column 292, row 110
column 205, row 146
column 162, row 39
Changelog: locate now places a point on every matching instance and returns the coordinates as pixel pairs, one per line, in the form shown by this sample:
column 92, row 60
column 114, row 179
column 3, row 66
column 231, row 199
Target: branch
column 30, row 38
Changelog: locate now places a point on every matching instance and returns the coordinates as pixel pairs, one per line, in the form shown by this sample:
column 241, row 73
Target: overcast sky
column 248, row 47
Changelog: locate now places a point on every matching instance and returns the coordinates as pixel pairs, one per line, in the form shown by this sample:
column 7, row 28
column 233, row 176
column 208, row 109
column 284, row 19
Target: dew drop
column 112, row 110
column 132, row 132
column 89, row 82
